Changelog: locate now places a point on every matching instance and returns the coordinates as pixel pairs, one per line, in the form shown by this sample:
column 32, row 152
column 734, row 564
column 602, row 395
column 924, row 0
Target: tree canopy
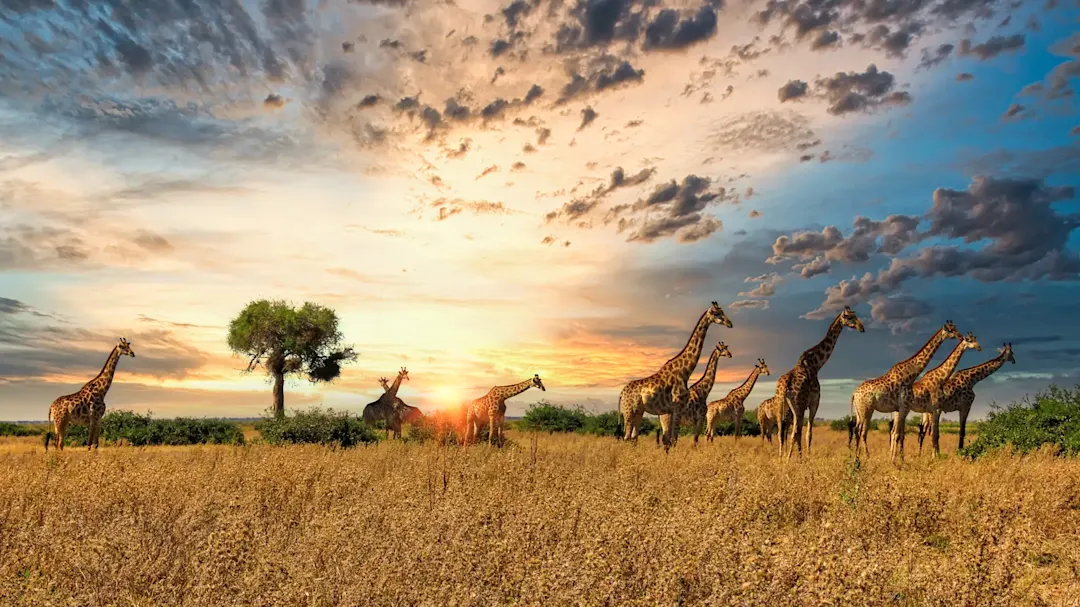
column 289, row 341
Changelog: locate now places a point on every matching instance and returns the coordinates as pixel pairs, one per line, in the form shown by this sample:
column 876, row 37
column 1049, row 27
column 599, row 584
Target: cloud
column 604, row 72
column 869, row 237
column 993, row 46
column 447, row 208
column 668, row 31
column 583, row 206
column 899, row 312
column 815, row 267
column 1016, row 111
column 761, row 131
column 936, row 57
column 588, row 115
column 1020, row 237
column 794, row 89
column 749, row 304
column 673, row 209
column 964, row 77
column 274, row 101
column 767, row 286
column 849, row 92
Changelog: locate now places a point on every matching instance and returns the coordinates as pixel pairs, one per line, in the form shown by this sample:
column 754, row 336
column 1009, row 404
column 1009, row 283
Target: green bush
column 840, row 425
column 9, row 429
column 750, row 426
column 317, row 426
column 143, row 430
column 546, row 417
column 1053, row 418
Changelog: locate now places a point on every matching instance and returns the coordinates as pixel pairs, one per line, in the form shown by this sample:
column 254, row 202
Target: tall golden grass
column 549, row 520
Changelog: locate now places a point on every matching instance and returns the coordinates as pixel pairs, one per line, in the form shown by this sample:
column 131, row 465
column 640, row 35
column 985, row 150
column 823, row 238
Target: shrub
column 317, row 426
column 143, row 430
column 9, row 429
column 546, row 417
column 1052, row 419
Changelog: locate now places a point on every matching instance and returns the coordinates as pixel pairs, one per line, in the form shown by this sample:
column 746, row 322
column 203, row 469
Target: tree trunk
column 279, row 393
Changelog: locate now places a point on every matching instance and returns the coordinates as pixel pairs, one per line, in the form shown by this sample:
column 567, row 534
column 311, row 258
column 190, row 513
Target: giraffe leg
column 815, row 401
column 963, row 425
column 901, row 422
column 91, row 434
column 738, row 425
column 61, row 430
column 935, row 431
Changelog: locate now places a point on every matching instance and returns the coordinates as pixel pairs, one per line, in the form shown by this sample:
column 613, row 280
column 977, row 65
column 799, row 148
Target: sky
column 486, row 190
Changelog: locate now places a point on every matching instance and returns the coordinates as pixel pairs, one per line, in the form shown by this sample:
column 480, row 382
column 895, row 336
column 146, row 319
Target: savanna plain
column 548, row 520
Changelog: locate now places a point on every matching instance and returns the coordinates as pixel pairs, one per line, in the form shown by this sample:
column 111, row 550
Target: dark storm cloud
column 599, row 22
column 993, row 47
column 899, row 312
column 1019, row 233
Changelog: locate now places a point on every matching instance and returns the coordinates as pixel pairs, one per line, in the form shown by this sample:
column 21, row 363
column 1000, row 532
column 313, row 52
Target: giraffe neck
column 505, row 392
column 911, row 367
column 747, row 386
column 392, row 392
column 101, row 384
column 816, row 357
column 705, row 384
column 939, row 374
column 967, row 378
column 684, row 362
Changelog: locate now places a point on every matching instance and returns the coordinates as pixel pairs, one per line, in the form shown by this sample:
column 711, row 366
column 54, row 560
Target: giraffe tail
column 48, row 433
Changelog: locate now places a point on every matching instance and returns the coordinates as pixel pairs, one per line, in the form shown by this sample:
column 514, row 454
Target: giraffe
column 926, row 391
column 491, row 409
column 384, row 408
column 665, row 391
column 799, row 391
column 730, row 408
column 699, row 395
column 958, row 392
column 87, row 406
column 402, row 411
column 766, row 419
column 892, row 393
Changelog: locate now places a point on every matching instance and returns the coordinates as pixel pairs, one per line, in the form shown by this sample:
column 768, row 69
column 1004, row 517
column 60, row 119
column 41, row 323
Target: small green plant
column 1052, row 418
column 849, row 486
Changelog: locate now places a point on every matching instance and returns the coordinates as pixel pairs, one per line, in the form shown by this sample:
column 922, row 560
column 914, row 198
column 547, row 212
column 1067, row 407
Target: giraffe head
column 537, row 383
column 716, row 314
column 951, row 332
column 763, row 368
column 850, row 320
column 722, row 350
column 125, row 348
column 403, row 374
column 1006, row 352
column 970, row 342
column 385, row 383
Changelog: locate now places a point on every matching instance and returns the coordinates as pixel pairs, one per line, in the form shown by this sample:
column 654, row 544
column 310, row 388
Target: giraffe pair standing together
column 391, row 409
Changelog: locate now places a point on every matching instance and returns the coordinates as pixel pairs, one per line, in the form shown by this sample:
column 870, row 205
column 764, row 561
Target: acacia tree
column 289, row 341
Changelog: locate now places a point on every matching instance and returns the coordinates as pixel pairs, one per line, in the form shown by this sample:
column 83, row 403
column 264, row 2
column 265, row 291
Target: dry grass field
column 564, row 520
